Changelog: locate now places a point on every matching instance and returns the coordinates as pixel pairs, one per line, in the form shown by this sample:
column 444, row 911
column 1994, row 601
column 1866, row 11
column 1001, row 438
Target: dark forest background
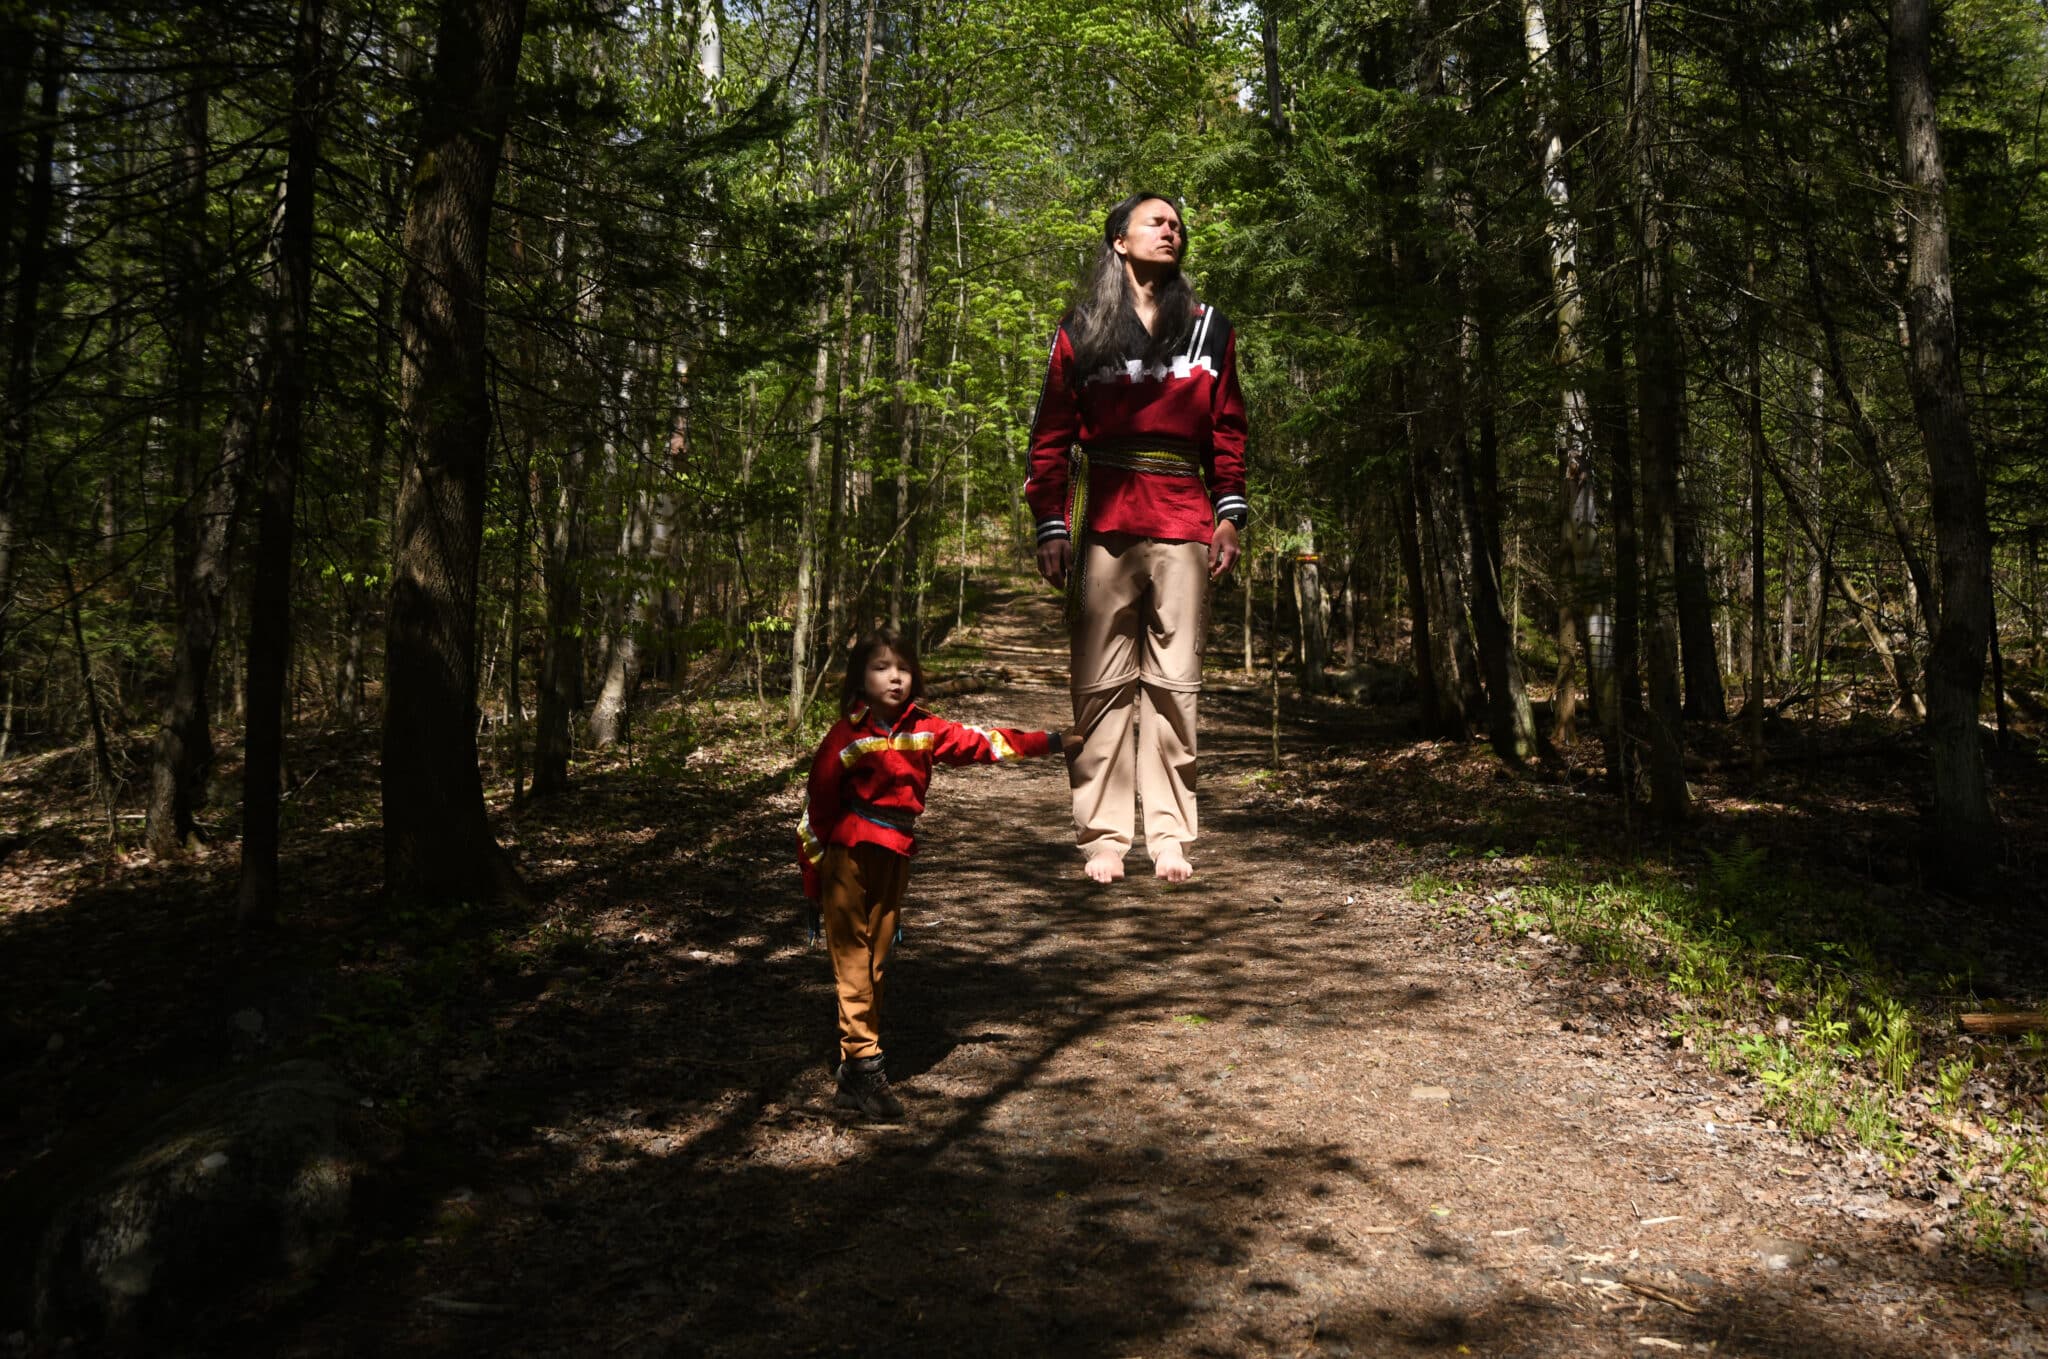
column 1621, row 371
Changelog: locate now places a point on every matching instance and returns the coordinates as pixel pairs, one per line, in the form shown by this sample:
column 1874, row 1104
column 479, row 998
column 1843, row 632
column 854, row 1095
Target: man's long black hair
column 1104, row 326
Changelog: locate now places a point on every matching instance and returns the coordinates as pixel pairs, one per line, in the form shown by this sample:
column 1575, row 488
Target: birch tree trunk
column 911, row 266
column 1312, row 611
column 1581, row 615
column 814, row 455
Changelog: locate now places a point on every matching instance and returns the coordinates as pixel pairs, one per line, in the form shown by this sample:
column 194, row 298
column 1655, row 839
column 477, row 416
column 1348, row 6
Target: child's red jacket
column 868, row 781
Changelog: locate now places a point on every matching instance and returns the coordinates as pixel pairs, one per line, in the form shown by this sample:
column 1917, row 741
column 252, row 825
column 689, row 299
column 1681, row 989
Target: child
column 867, row 788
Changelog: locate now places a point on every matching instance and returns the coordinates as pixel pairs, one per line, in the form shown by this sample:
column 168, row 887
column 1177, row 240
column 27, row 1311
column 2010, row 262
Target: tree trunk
column 16, row 49
column 1966, row 828
column 608, row 716
column 1581, row 616
column 1658, row 377
column 1753, row 422
column 1705, row 698
column 189, row 302
column 1408, row 527
column 561, row 662
column 1444, row 544
column 437, row 838
column 363, row 589
column 206, row 509
column 803, row 624
column 270, row 602
column 1312, row 612
column 1276, row 93
column 1511, row 724
column 911, row 265
column 17, row 423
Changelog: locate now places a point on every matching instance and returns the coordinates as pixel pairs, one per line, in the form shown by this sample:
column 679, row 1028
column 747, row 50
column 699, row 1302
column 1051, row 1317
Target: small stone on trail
column 698, row 955
column 1778, row 1252
column 2035, row 1300
column 1430, row 1094
column 56, row 1043
column 660, row 1146
column 249, row 1022
column 213, row 1161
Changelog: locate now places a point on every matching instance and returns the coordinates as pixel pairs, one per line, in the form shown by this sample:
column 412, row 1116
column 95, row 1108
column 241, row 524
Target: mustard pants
column 861, row 900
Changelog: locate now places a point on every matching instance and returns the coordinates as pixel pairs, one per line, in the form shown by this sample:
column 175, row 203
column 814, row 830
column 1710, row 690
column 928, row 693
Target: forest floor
column 1391, row 1075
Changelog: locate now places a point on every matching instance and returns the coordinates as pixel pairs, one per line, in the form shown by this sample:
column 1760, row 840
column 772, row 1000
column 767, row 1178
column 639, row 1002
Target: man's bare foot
column 1106, row 866
column 1172, row 865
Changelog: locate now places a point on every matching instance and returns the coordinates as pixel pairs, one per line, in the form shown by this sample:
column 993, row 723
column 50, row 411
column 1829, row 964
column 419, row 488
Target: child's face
column 887, row 683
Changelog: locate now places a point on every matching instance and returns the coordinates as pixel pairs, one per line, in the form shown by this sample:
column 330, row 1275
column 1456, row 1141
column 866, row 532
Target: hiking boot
column 864, row 1085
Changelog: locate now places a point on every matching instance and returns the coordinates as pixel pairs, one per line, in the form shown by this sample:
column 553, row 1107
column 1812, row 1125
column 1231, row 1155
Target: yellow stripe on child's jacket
column 856, row 751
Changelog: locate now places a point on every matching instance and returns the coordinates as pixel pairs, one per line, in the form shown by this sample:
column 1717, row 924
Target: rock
column 243, row 1182
column 2035, row 1299
column 1779, row 1252
column 249, row 1023
column 1430, row 1094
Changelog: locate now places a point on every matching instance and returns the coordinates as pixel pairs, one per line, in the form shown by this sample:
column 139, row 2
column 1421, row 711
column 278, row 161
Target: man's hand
column 1222, row 549
column 1055, row 555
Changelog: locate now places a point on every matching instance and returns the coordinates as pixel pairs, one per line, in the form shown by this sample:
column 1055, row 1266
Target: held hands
column 1222, row 549
column 1054, row 556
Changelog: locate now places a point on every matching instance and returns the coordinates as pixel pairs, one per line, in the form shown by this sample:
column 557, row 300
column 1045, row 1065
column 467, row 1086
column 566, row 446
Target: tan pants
column 1137, row 661
column 861, row 898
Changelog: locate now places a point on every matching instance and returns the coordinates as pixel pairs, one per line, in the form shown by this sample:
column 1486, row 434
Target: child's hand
column 1072, row 741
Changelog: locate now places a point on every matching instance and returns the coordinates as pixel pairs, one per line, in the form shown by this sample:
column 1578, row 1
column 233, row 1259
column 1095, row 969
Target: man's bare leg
column 1104, row 865
column 1171, row 863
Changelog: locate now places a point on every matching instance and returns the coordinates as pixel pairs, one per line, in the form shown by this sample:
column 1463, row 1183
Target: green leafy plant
column 1950, row 1078
column 1892, row 1042
column 1826, row 1027
column 1869, row 1120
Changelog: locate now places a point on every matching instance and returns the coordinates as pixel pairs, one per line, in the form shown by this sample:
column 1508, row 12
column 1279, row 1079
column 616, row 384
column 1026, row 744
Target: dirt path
column 1283, row 1109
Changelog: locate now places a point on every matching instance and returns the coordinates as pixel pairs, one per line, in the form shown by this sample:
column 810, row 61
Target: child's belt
column 893, row 818
column 1159, row 462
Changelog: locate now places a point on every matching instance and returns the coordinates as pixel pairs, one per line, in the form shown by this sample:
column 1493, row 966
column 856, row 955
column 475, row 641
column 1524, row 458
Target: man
column 1137, row 483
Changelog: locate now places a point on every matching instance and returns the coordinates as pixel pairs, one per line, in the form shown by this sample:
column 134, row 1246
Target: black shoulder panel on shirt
column 1210, row 337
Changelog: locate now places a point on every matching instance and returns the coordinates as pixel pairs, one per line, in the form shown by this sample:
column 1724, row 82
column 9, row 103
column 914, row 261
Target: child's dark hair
column 853, row 691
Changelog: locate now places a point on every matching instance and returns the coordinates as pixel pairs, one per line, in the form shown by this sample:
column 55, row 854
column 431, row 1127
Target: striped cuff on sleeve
column 1049, row 529
column 1235, row 508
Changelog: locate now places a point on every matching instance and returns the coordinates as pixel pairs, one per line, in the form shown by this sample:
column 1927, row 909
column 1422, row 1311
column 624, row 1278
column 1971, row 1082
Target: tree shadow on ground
column 661, row 1172
column 625, row 1141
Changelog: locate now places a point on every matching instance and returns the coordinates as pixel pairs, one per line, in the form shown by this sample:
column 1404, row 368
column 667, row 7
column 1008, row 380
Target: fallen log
column 2005, row 1024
